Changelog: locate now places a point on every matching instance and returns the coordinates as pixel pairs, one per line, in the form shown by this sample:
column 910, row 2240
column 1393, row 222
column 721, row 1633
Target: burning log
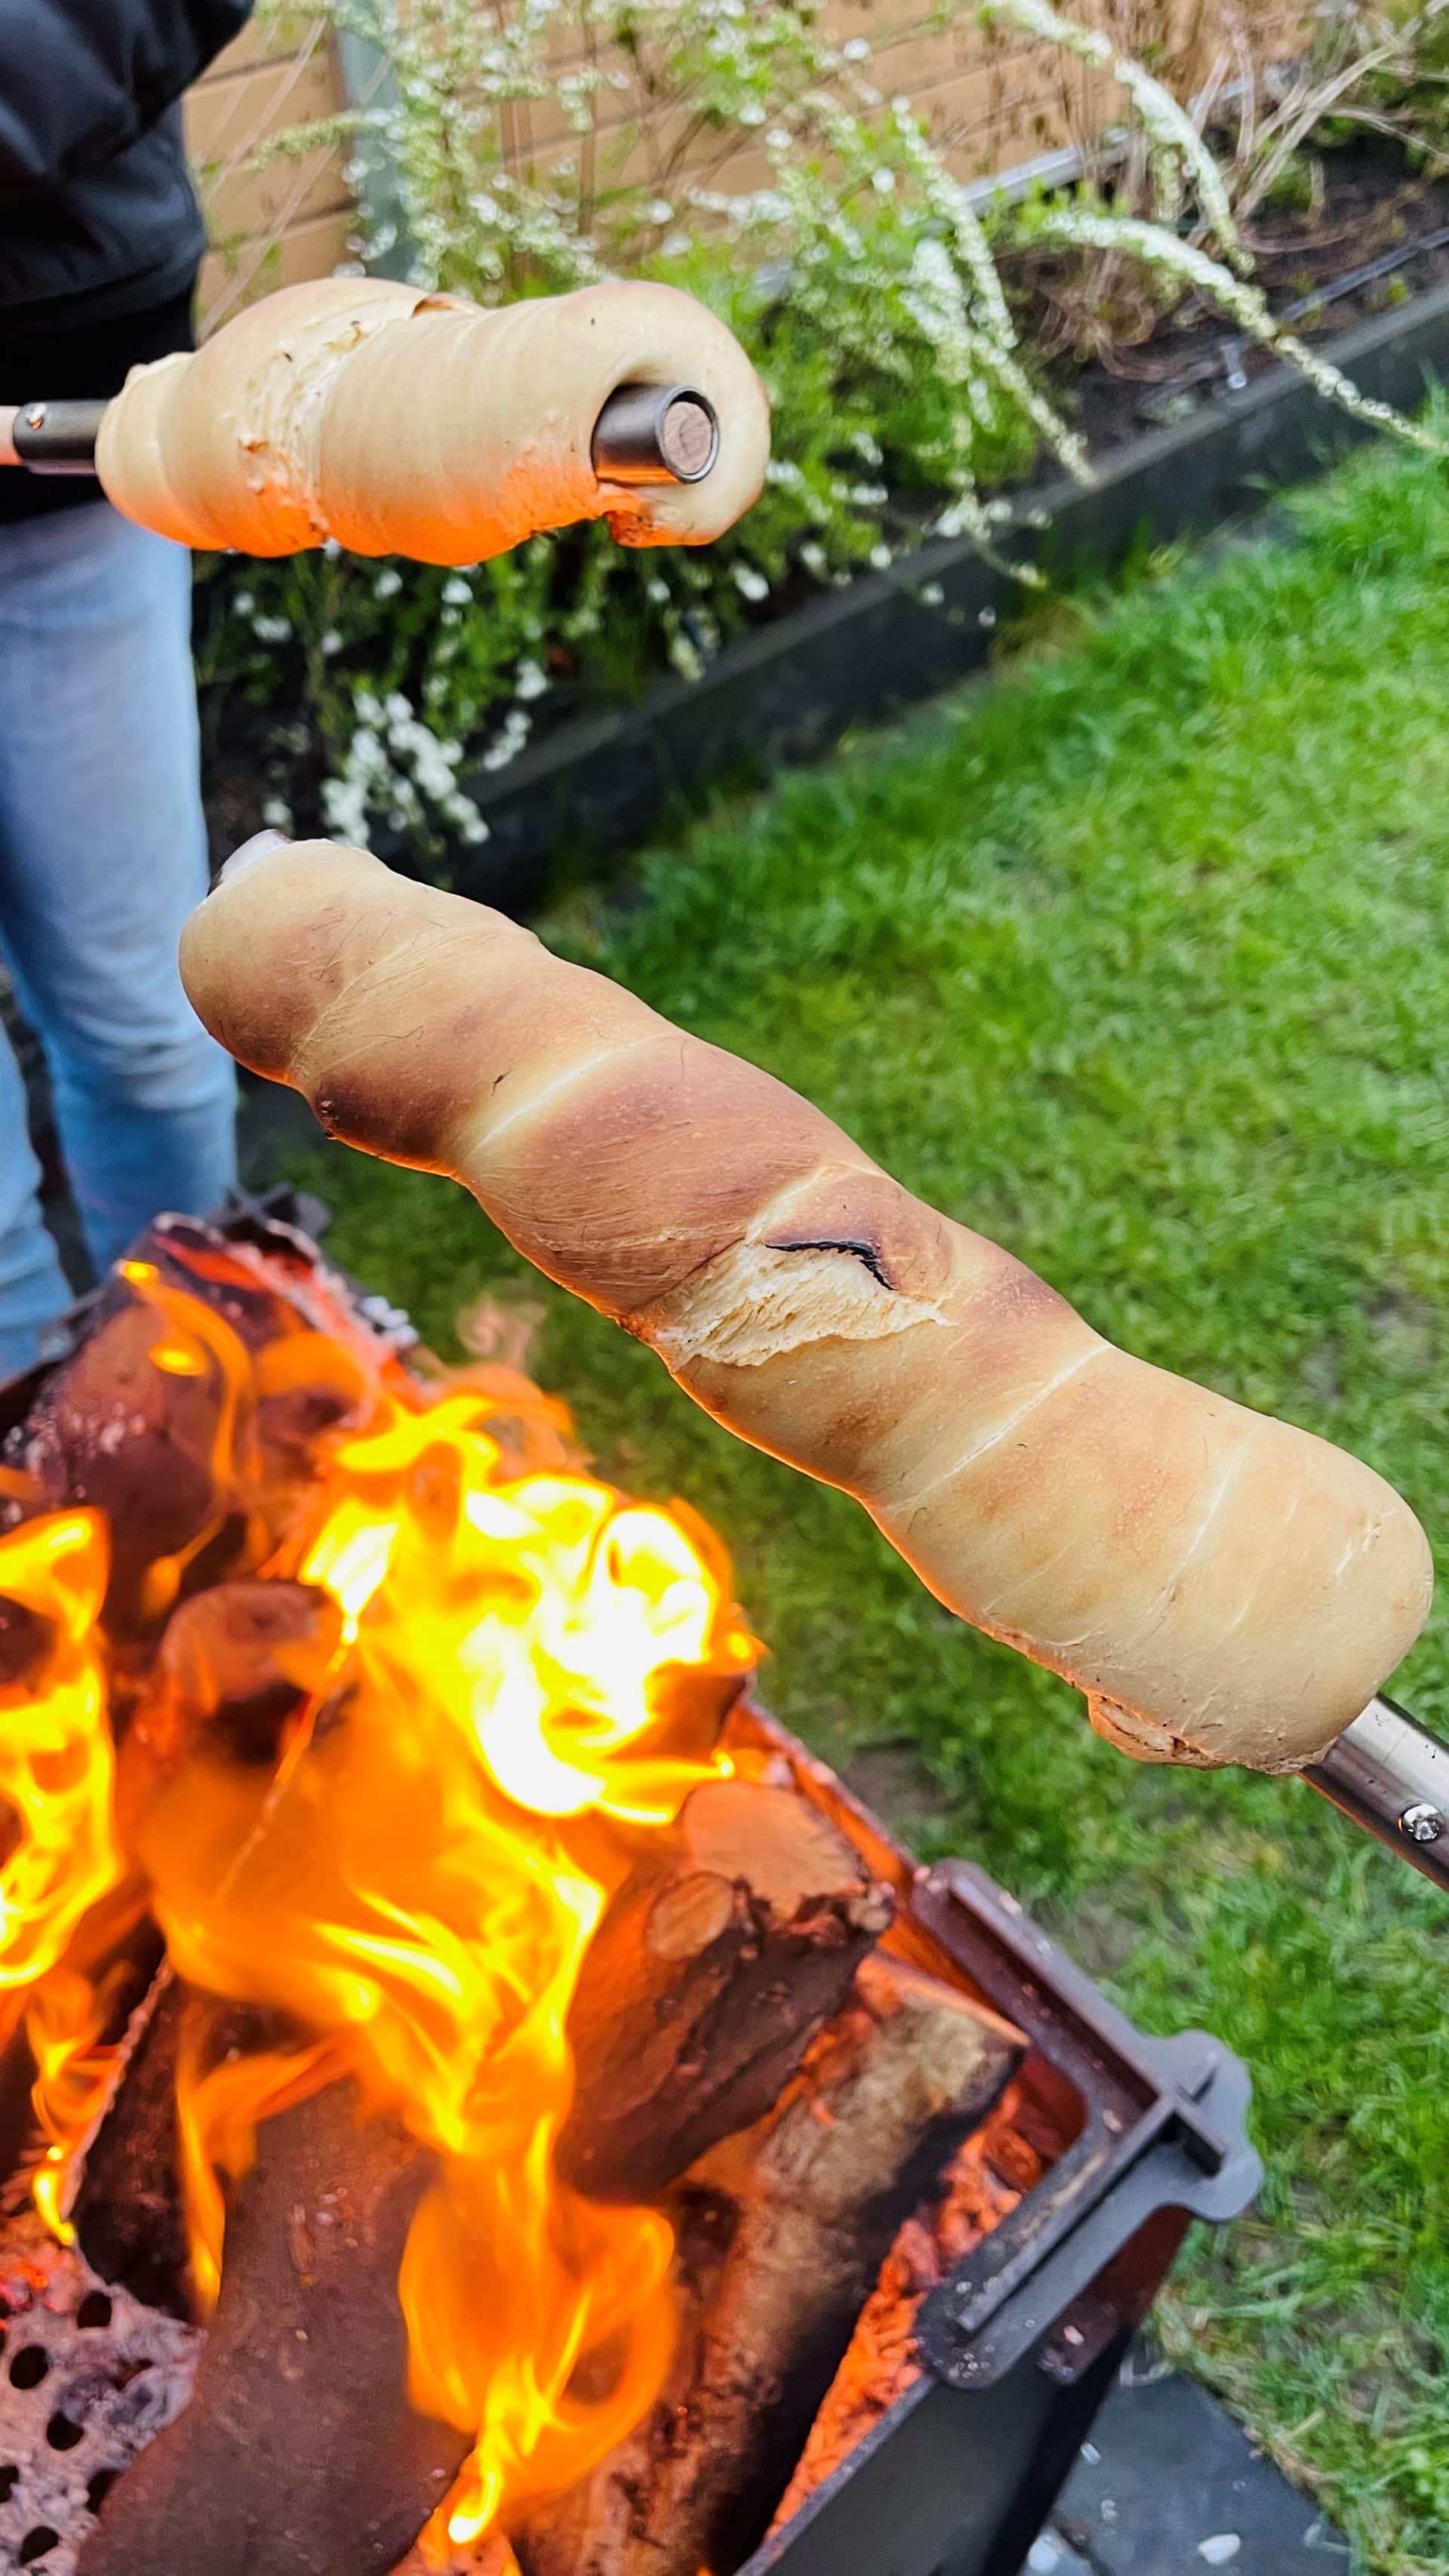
column 730, row 1944
column 784, row 2230
column 235, row 1667
column 138, row 1441
column 128, row 2215
column 983, row 2182
column 299, row 2445
column 191, row 1415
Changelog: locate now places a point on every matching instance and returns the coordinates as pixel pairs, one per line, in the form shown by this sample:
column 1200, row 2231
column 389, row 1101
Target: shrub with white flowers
column 536, row 145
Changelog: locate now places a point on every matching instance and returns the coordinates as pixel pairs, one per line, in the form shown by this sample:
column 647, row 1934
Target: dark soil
column 1375, row 215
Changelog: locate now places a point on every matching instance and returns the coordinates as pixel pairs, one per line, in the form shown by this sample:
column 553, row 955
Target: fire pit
column 476, row 2094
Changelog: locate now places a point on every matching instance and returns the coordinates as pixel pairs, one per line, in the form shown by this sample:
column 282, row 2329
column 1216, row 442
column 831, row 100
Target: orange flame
column 56, row 1768
column 414, row 1883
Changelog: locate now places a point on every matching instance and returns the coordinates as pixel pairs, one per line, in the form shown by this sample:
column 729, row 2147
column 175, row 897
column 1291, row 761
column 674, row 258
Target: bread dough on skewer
column 404, row 423
column 1224, row 1587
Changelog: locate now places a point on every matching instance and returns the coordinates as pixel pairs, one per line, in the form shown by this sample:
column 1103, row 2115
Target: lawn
column 1138, row 960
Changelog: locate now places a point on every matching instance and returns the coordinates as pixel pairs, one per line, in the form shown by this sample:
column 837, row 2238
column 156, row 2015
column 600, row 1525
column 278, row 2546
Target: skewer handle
column 51, row 437
column 1392, row 1777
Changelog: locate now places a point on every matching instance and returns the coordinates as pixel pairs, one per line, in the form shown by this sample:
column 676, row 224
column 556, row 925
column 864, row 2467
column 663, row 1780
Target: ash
column 87, row 2377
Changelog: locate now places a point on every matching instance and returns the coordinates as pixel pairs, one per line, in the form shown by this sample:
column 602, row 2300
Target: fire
column 410, row 1881
column 57, row 1773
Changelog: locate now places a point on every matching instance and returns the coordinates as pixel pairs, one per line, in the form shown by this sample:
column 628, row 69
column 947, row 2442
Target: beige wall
column 291, row 219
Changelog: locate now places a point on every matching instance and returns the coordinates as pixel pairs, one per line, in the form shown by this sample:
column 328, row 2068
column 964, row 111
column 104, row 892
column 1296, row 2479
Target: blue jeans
column 102, row 855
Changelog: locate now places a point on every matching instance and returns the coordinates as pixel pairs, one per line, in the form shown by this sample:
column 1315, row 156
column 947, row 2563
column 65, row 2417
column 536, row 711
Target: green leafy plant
column 746, row 154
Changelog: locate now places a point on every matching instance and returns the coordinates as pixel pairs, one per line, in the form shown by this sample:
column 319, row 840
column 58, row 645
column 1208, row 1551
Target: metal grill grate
column 87, row 2376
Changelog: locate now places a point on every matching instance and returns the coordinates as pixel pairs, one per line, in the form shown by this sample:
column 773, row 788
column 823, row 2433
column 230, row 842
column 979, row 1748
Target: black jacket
column 100, row 232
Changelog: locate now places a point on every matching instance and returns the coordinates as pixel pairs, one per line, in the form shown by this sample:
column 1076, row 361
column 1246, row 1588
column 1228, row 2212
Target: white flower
column 244, row 603
column 510, row 740
column 812, row 557
column 278, row 813
column 883, row 182
column 987, row 617
column 881, row 558
column 332, row 641
column 932, row 595
column 750, row 583
column 661, row 211
column 331, row 549
column 656, row 590
column 368, row 707
column 752, row 113
column 674, row 245
column 457, row 593
column 530, row 680
column 344, row 809
column 272, row 630
column 868, row 496
column 387, row 584
column 857, row 51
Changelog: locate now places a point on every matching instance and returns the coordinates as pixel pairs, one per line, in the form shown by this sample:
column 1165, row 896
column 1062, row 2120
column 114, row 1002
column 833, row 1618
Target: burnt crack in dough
column 865, row 1252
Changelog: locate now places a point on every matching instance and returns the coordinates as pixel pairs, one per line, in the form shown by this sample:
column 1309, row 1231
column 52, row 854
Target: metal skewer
column 655, row 434
column 1392, row 1777
column 51, row 437
column 644, row 434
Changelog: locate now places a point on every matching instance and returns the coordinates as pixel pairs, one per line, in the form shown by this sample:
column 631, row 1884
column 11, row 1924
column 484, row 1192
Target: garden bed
column 1186, row 431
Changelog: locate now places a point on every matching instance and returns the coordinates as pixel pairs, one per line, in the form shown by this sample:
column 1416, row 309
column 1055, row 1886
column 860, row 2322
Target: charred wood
column 139, row 1443
column 299, row 2451
column 236, row 1666
column 128, row 2215
column 730, row 1944
column 983, row 2183
column 788, row 2225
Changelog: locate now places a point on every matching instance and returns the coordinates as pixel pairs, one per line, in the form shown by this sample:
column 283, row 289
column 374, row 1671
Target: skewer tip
column 655, row 434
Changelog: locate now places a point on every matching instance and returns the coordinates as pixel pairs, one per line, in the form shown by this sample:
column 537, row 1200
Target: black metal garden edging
column 863, row 654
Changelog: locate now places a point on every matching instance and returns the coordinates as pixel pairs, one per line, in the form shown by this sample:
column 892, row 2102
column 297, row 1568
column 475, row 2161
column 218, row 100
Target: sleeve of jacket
column 81, row 79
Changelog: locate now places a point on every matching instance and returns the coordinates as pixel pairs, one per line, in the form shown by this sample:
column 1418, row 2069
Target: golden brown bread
column 1224, row 1587
column 404, row 423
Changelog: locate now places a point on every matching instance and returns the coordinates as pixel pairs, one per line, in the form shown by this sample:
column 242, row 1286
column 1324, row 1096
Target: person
column 102, row 840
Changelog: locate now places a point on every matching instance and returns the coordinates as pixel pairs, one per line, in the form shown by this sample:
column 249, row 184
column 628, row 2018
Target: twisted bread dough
column 1225, row 1588
column 404, row 423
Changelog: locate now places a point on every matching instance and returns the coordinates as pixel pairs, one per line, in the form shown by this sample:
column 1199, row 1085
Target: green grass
column 1139, row 961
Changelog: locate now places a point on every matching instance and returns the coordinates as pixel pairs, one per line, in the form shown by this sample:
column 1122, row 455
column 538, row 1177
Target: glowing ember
column 411, row 1876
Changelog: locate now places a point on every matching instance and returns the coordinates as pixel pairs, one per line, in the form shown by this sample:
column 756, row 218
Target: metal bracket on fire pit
column 1162, row 2133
